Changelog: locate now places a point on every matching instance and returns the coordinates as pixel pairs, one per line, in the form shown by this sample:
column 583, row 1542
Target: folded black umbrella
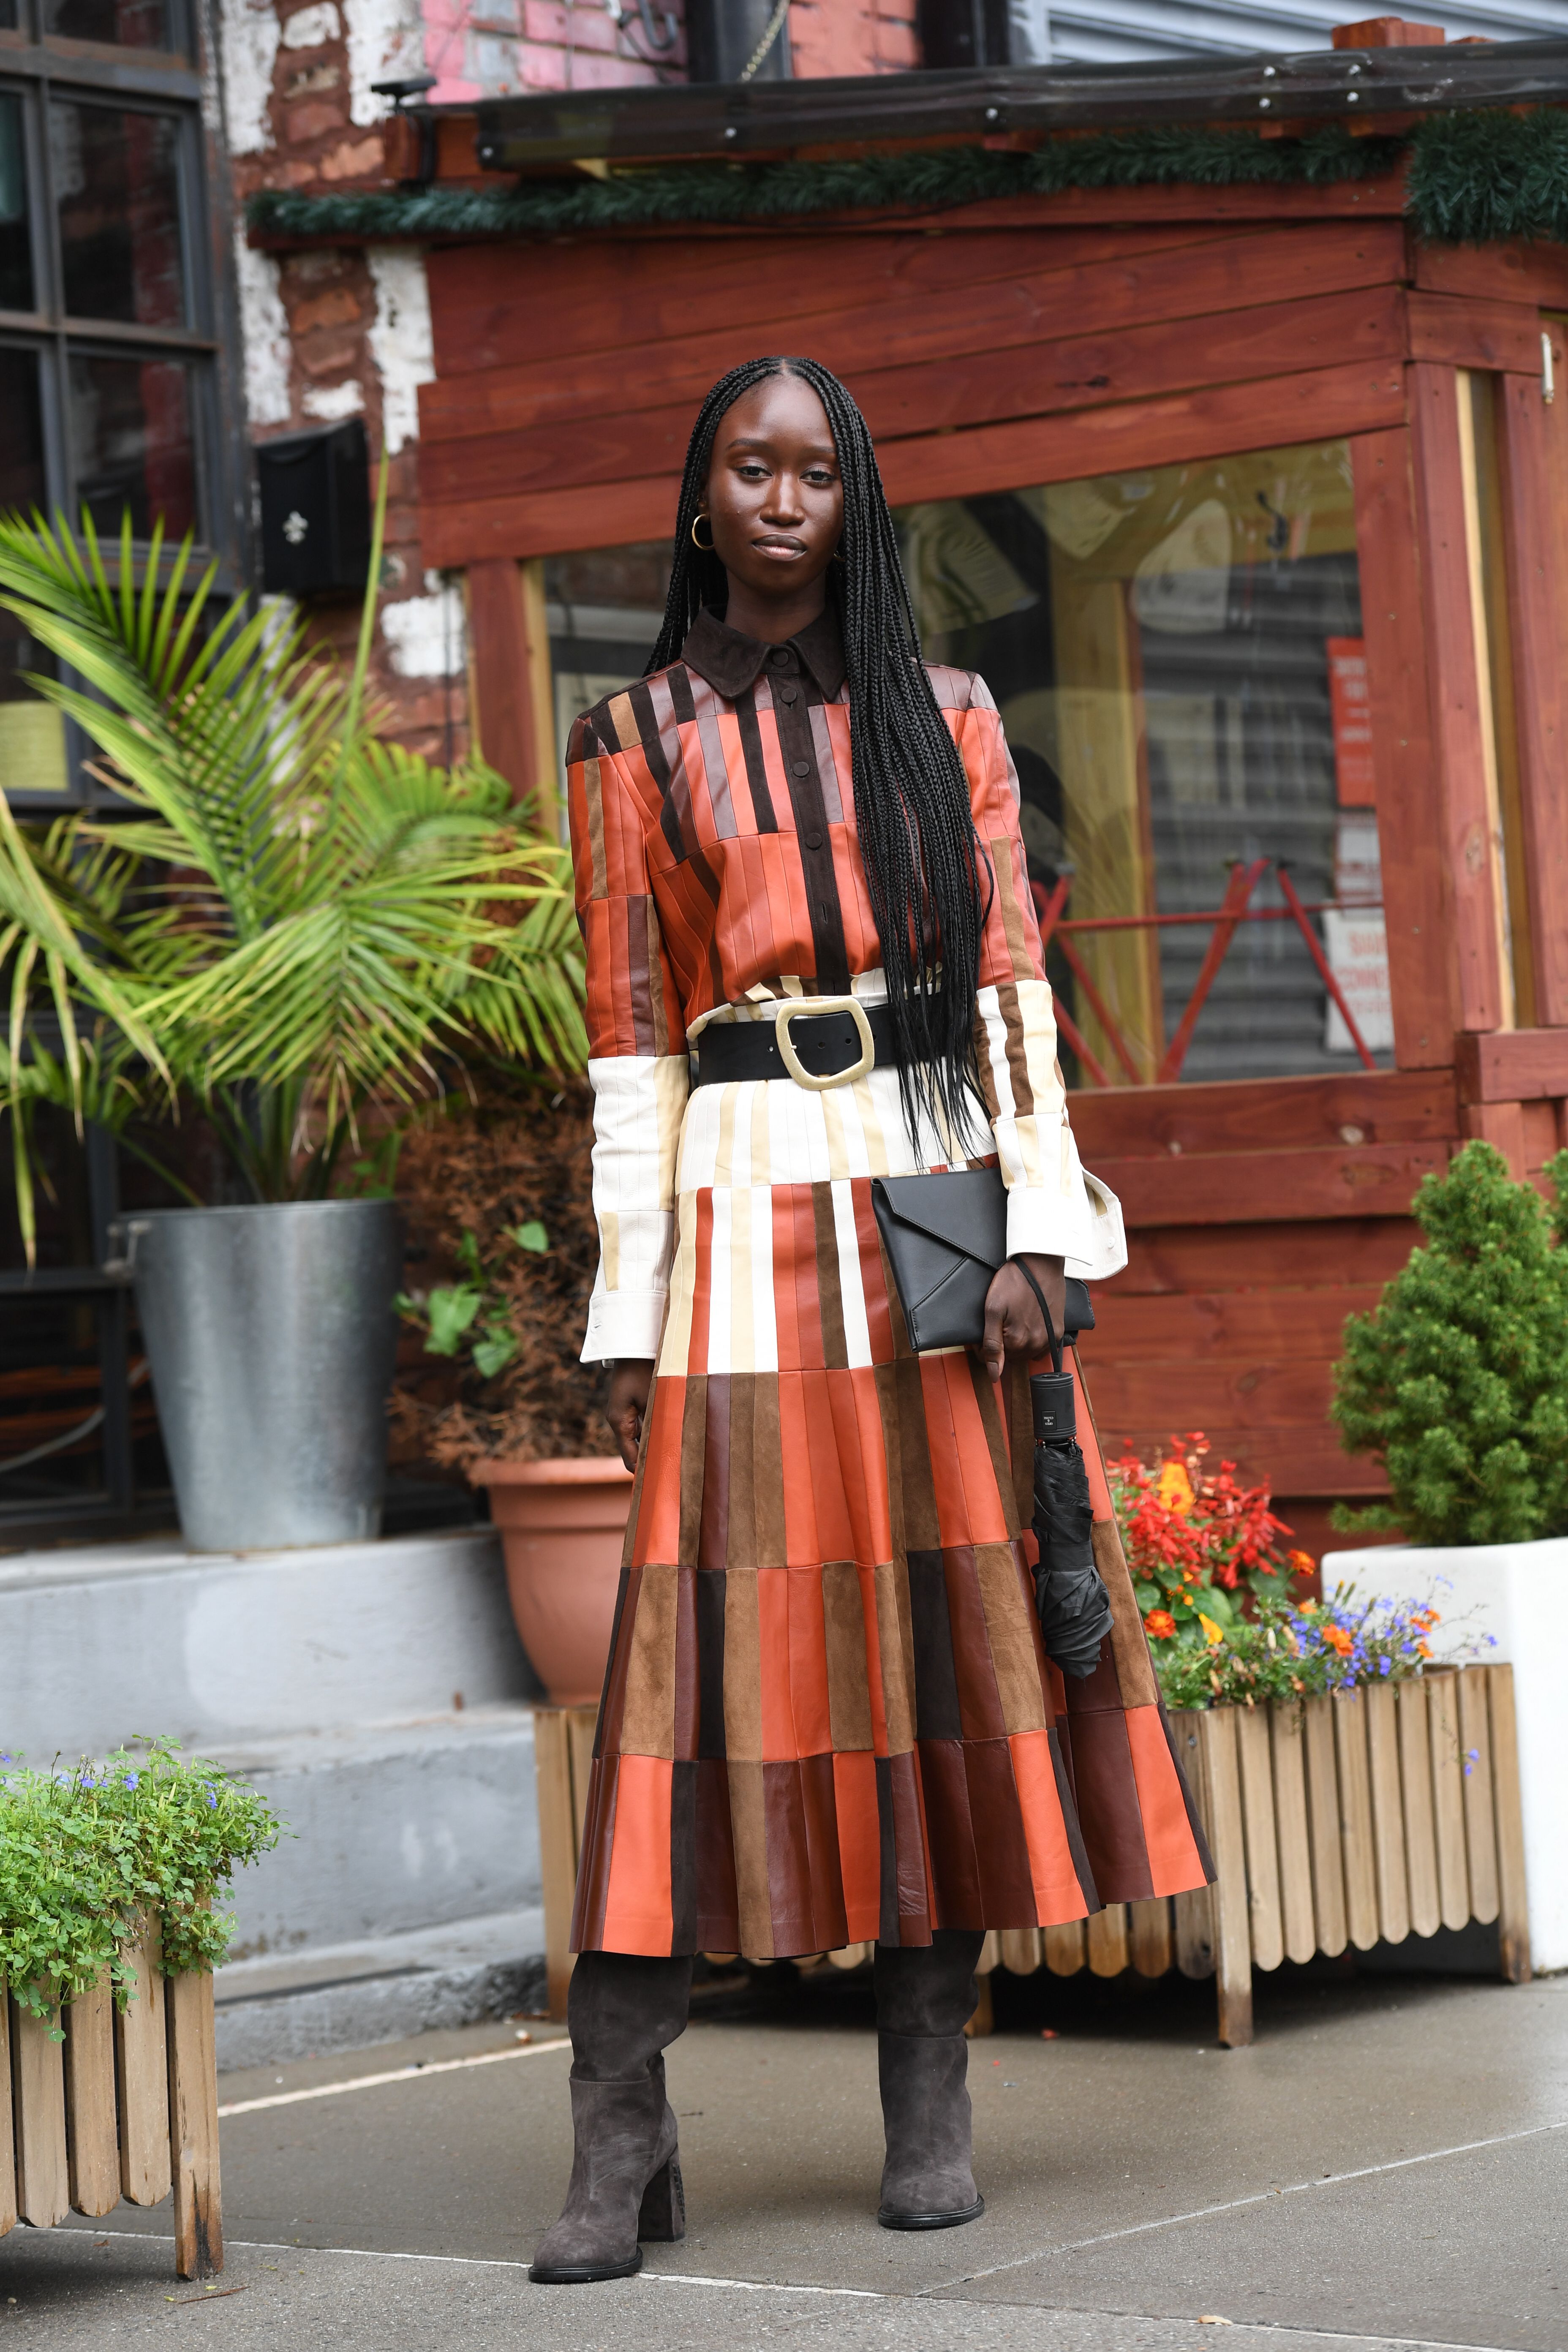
column 1070, row 1592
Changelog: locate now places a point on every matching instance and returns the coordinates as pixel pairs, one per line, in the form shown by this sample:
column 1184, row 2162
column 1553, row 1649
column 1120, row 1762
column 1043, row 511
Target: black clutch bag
column 945, row 1236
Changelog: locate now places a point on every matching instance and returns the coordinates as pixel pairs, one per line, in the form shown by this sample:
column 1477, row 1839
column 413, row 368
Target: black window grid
column 41, row 69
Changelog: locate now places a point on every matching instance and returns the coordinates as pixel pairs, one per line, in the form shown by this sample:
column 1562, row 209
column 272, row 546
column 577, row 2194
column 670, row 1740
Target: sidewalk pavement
column 1386, row 2166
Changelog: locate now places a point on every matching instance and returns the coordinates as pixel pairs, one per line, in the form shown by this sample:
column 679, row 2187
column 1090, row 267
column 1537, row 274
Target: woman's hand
column 627, row 1401
column 1014, row 1324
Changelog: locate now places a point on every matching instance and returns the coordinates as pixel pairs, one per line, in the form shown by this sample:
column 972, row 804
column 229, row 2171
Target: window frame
column 42, row 69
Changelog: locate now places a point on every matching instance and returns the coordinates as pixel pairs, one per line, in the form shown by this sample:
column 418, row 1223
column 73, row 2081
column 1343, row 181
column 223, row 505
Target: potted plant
column 108, row 1942
column 1355, row 1789
column 283, row 929
column 499, row 1197
column 1458, row 1382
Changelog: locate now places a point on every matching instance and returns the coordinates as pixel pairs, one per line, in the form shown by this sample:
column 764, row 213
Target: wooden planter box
column 126, row 2106
column 1343, row 1820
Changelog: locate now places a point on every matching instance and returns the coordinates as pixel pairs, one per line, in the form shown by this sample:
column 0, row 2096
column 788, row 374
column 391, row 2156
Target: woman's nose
column 784, row 503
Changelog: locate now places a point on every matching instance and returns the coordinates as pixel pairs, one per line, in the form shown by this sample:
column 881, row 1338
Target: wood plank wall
column 1027, row 343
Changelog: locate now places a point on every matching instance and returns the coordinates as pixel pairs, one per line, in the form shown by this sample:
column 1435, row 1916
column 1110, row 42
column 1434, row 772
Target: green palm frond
column 287, row 917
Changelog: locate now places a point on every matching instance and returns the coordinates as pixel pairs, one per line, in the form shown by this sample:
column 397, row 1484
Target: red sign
column 1353, row 721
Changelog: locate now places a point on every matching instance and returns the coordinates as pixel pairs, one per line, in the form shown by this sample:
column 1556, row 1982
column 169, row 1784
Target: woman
column 827, row 1716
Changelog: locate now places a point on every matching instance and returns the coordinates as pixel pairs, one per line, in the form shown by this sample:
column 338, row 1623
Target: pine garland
column 1483, row 178
column 1475, row 177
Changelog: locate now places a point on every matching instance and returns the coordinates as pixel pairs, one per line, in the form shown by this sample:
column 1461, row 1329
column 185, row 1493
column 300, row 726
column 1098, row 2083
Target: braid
column 916, row 837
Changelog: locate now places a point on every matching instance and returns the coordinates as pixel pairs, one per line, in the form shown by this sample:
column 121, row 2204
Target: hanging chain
column 776, row 27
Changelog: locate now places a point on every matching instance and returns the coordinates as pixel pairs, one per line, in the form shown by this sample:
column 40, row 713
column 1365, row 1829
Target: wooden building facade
column 1251, row 506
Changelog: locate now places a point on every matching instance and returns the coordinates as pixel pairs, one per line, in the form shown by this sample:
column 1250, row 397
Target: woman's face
column 775, row 493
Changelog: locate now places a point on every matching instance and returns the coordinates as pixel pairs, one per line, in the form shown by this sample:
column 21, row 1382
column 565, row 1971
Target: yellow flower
column 1214, row 1634
column 1175, row 1488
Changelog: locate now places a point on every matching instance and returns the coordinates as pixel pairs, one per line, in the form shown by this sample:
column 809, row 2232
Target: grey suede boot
column 622, row 2012
column 925, row 1997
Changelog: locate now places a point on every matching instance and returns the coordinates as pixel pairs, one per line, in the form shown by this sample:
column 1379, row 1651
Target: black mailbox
column 315, row 510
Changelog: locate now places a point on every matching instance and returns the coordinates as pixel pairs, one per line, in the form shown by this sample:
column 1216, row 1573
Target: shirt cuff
column 624, row 1323
column 1046, row 1223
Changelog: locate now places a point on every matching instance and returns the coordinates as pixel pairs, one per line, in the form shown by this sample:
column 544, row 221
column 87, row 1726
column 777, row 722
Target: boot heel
column 661, row 2219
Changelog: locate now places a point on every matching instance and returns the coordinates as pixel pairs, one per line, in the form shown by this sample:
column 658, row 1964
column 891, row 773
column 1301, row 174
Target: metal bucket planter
column 270, row 1332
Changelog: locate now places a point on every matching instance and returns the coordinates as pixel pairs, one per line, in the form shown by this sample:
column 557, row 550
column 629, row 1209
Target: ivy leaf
column 451, row 1312
column 494, row 1351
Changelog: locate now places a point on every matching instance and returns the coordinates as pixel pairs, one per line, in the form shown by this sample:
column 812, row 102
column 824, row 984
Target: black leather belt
column 827, row 1044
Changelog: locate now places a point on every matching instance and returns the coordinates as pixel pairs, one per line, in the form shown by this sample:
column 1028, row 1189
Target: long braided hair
column 916, row 837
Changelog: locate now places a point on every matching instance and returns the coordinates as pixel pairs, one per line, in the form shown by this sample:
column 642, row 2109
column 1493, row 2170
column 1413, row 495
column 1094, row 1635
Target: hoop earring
column 836, row 556
column 702, row 549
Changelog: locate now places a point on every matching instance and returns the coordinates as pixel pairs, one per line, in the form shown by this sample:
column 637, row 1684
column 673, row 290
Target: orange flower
column 1302, row 1562
column 1175, row 1488
column 1159, row 1625
column 1338, row 1639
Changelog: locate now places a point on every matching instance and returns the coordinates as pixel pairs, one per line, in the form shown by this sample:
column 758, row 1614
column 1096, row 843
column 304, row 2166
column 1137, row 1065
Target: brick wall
column 852, row 36
column 336, row 333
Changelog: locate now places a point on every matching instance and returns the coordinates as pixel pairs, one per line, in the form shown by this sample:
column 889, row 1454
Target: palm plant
column 288, row 919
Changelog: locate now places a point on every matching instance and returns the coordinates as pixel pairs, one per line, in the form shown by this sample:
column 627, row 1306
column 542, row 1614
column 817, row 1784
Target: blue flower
column 212, row 1801
column 134, row 1779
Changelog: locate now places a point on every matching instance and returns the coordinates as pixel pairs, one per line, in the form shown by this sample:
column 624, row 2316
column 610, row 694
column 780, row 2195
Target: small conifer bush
column 1458, row 1379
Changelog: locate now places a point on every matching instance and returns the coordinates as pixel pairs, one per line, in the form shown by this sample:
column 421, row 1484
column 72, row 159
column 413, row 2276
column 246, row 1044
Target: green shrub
column 84, row 1853
column 1458, row 1380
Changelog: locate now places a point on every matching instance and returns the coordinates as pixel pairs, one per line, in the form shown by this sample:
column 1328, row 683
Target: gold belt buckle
column 812, row 1006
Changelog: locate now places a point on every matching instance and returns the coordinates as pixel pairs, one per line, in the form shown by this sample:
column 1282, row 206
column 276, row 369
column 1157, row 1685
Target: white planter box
column 1519, row 1593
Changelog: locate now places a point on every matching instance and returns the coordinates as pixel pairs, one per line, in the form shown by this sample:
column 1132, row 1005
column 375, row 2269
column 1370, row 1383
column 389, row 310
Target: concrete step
column 351, row 1996
column 105, row 1641
column 395, row 1828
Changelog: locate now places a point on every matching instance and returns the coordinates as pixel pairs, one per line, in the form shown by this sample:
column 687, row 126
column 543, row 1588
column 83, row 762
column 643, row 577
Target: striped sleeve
column 1050, row 1209
column 636, row 1042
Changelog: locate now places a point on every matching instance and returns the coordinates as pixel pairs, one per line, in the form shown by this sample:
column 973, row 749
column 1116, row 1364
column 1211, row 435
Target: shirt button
column 801, row 768
column 783, row 658
column 788, row 693
column 814, row 841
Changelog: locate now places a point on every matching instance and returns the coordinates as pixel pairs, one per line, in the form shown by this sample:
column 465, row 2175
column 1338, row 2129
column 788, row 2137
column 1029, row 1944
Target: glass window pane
column 117, row 186
column 32, row 734
column 131, row 442
column 129, row 24
column 16, row 242
column 1177, row 657
column 604, row 610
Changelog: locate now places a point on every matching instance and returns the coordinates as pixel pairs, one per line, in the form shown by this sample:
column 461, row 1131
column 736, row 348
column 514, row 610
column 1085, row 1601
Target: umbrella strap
column 1052, row 1341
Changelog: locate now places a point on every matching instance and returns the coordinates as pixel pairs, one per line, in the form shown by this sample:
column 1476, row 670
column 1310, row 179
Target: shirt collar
column 731, row 661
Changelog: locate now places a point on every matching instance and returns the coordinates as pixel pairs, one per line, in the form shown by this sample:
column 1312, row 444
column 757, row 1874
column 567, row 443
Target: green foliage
column 1458, row 1381
column 1293, row 1649
column 293, row 919
column 920, row 180
column 1481, row 178
column 83, row 1854
column 1475, row 175
column 480, row 1305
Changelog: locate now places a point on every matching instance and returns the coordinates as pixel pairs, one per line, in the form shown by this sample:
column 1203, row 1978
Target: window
column 110, row 397
column 1176, row 654
column 107, row 321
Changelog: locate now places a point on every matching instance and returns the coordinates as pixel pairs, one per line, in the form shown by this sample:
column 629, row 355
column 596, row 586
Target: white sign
column 1357, row 950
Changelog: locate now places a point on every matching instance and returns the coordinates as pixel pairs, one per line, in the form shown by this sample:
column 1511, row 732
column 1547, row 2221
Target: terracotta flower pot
column 561, row 1528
